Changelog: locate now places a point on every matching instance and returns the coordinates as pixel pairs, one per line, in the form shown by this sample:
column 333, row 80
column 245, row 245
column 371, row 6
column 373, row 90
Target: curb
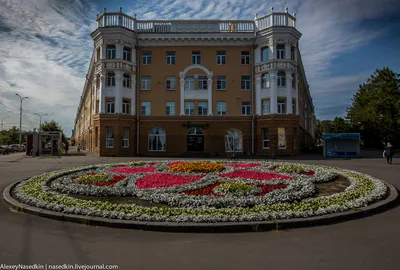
column 227, row 227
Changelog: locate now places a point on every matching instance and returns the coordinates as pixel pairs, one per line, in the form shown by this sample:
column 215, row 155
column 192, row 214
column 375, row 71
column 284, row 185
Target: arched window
column 265, row 54
column 127, row 80
column 281, row 78
column 195, row 131
column 110, row 79
column 157, row 139
column 233, row 140
column 266, row 80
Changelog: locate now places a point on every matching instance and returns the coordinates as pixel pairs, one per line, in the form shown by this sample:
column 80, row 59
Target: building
column 195, row 86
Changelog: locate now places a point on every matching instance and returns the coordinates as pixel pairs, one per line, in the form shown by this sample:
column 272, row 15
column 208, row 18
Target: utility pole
column 3, row 120
column 40, row 121
column 20, row 119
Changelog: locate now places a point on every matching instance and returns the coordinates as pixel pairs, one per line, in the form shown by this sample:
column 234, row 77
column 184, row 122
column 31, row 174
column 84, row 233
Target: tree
column 375, row 110
column 340, row 125
column 10, row 136
column 53, row 126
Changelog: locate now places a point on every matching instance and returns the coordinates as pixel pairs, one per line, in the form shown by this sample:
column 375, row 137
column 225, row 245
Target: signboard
column 341, row 136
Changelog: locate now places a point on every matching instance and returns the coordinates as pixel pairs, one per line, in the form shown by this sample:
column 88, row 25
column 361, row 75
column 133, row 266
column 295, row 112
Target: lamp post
column 20, row 118
column 3, row 120
column 40, row 121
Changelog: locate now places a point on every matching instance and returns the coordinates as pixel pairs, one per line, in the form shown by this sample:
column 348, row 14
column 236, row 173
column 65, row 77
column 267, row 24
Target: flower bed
column 196, row 167
column 235, row 193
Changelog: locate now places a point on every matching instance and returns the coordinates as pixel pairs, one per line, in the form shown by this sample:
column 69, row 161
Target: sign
column 341, row 136
column 190, row 125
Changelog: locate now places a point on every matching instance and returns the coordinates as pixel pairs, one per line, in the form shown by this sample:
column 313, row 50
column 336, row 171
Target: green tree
column 10, row 136
column 53, row 126
column 340, row 125
column 375, row 110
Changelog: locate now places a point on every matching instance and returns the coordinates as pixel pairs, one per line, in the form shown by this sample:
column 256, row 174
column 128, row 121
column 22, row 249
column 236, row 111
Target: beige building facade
column 195, row 87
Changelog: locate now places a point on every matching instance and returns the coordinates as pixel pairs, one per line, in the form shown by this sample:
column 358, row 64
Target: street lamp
column 40, row 121
column 3, row 120
column 20, row 119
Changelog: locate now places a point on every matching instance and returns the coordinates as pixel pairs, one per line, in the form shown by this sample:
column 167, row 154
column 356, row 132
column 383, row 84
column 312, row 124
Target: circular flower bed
column 201, row 191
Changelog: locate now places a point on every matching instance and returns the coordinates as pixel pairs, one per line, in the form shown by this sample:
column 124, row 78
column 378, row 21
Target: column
column 94, row 98
column 133, row 56
column 297, row 94
column 103, row 53
column 272, row 51
column 182, row 81
column 209, row 89
column 102, row 89
column 133, row 97
column 289, row 97
column 118, row 86
column 287, row 51
column 258, row 94
column 257, row 55
column 274, row 92
column 118, row 51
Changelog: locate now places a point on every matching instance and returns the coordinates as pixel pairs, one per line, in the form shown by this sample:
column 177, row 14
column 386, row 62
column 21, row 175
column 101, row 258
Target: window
column 221, row 108
column 221, row 82
column 170, row 82
column 146, row 83
column 111, row 52
column 221, row 58
column 146, row 107
column 266, row 81
column 170, row 108
column 189, row 108
column 146, row 58
column 202, row 83
column 126, row 81
column 126, row 106
column 196, row 59
column 266, row 107
column 189, row 83
column 292, row 52
column 125, row 137
column 110, row 106
column 282, row 138
column 171, row 58
column 265, row 54
column 245, row 57
column 282, row 105
column 233, row 141
column 110, row 79
column 245, row 82
column 98, row 54
column 246, row 108
column 280, row 51
column 109, row 137
column 265, row 138
column 97, row 106
column 202, row 108
column 281, row 78
column 157, row 139
column 127, row 54
column 294, row 106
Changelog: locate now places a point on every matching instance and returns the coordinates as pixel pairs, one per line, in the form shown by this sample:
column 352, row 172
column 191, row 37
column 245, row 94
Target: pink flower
column 163, row 180
column 244, row 165
column 134, row 170
column 254, row 175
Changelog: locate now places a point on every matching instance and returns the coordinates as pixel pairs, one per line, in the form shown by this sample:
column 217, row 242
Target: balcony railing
column 112, row 19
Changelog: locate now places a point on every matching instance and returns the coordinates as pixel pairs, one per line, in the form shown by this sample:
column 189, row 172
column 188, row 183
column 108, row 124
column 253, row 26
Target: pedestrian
column 79, row 147
column 66, row 148
column 388, row 152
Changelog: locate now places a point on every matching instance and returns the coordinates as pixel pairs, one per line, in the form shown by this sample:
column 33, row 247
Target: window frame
column 201, row 105
column 246, row 106
column 171, row 58
column 281, row 80
column 281, row 106
column 265, row 49
column 110, row 104
column 126, row 106
column 265, row 138
column 146, row 58
column 221, row 82
column 172, row 82
column 280, row 53
column 280, row 138
column 126, row 80
column 245, row 57
column 189, row 108
column 127, row 54
column 221, row 105
column 125, row 140
column 221, row 57
column 247, row 82
column 142, row 105
column 111, row 51
column 111, row 79
column 196, row 57
column 265, row 103
column 170, row 104
column 109, row 139
column 146, row 79
column 190, row 84
column 201, row 82
column 156, row 137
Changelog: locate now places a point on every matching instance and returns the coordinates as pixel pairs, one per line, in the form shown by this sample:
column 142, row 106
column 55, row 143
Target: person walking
column 389, row 152
column 79, row 147
column 66, row 148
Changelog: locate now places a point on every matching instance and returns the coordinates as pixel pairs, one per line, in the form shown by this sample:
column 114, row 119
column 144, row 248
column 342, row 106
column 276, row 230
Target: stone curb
column 227, row 227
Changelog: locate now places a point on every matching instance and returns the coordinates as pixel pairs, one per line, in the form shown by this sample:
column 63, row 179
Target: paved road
column 369, row 243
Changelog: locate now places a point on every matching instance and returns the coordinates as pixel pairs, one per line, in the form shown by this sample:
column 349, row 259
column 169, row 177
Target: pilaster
column 209, row 89
column 297, row 94
column 257, row 55
column 182, row 89
column 118, row 51
column 133, row 97
column 103, row 51
column 118, row 84
column 258, row 94
column 102, row 93
column 274, row 92
column 289, row 96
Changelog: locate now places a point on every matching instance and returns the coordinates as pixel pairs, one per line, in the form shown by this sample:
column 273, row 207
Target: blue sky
column 45, row 47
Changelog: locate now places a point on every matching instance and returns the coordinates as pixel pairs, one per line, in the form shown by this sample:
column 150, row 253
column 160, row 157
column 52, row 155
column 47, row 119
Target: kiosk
column 341, row 144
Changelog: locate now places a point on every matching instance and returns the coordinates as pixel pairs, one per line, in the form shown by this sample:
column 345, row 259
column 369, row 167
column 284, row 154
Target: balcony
column 119, row 19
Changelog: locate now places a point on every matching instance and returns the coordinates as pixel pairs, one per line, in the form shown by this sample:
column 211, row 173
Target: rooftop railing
column 113, row 19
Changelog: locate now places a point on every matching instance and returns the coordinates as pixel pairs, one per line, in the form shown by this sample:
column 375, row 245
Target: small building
column 43, row 143
column 341, row 144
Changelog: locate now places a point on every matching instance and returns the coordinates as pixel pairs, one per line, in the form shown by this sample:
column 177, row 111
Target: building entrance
column 195, row 140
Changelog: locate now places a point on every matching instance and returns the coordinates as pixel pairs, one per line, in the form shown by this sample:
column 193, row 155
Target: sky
column 45, row 47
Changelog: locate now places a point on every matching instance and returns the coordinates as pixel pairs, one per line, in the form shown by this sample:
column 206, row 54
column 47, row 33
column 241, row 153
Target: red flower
column 112, row 182
column 119, row 166
column 310, row 173
column 254, row 175
column 162, row 180
column 134, row 170
column 244, row 165
column 268, row 188
column 208, row 190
